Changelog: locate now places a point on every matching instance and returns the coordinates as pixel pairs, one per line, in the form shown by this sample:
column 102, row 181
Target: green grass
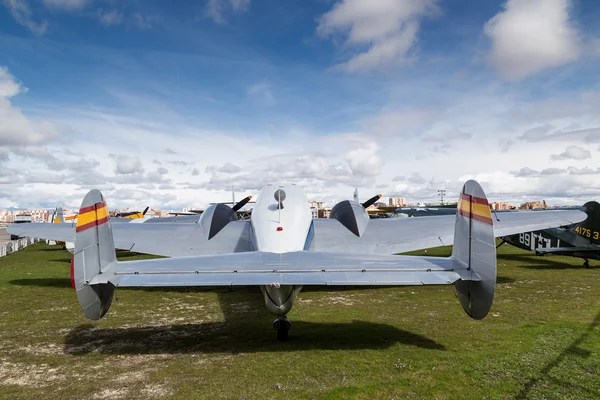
column 540, row 341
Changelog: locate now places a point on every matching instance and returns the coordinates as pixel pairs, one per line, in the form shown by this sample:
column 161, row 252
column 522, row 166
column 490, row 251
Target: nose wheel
column 282, row 326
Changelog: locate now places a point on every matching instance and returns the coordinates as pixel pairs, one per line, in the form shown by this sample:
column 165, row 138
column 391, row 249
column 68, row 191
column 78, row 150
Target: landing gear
column 586, row 264
column 282, row 326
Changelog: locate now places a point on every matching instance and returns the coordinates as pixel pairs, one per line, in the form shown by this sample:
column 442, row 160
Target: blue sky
column 173, row 103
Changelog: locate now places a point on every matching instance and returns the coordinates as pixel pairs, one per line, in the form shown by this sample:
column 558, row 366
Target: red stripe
column 477, row 200
column 463, row 213
column 92, row 208
column 103, row 220
column 476, row 217
column 485, row 220
column 86, row 226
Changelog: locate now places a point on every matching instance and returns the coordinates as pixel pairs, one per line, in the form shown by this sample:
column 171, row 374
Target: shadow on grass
column 212, row 337
column 541, row 262
column 504, row 279
column 52, row 248
column 43, row 282
column 572, row 349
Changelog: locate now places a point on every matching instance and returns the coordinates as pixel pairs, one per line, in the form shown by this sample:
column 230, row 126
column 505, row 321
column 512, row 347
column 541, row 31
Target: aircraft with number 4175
column 580, row 240
column 283, row 248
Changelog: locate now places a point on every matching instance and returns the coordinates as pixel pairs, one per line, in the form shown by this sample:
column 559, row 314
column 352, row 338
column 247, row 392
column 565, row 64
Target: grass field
column 540, row 341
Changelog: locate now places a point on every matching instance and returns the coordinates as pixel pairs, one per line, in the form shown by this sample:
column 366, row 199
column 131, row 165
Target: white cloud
column 215, row 9
column 127, row 164
column 532, row 35
column 21, row 12
column 15, row 128
column 526, row 171
column 228, row 168
column 364, row 161
column 388, row 27
column 572, row 153
column 110, row 18
column 68, row 5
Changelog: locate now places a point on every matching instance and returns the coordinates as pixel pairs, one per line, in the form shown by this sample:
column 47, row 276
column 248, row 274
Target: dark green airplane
column 579, row 240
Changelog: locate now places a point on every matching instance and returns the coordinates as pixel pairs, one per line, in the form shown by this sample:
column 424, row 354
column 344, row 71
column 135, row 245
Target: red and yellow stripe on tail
column 92, row 216
column 476, row 208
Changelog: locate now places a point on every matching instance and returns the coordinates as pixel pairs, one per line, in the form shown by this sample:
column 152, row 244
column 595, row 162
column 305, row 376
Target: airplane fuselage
column 281, row 222
column 555, row 238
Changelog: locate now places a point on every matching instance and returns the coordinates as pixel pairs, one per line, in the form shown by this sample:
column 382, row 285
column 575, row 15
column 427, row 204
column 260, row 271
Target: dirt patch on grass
column 33, row 376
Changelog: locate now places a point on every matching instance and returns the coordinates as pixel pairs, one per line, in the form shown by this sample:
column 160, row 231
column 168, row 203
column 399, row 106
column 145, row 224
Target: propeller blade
column 241, row 203
column 145, row 210
column 371, row 201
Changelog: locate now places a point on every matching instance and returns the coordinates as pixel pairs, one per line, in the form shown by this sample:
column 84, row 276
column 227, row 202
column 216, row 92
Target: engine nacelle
column 352, row 215
column 215, row 218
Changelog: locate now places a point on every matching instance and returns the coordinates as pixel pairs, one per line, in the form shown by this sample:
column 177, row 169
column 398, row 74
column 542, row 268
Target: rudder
column 475, row 247
column 94, row 251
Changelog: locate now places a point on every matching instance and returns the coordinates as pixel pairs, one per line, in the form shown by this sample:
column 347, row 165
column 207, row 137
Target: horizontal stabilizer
column 294, row 268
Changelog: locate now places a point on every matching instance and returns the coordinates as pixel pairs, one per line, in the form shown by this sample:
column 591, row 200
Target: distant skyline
column 169, row 106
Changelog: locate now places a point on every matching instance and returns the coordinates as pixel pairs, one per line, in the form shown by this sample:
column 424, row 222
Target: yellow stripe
column 136, row 215
column 92, row 216
column 474, row 208
column 102, row 213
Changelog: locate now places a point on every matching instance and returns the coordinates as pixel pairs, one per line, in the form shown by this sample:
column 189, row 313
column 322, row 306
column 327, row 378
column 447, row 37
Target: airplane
column 131, row 214
column 580, row 240
column 282, row 248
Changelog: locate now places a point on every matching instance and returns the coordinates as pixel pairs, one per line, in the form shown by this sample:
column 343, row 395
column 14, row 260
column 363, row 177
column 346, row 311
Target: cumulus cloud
column 526, row 171
column 228, row 168
column 552, row 171
column 529, row 36
column 364, row 161
column 583, row 171
column 216, row 9
column 572, row 153
column 388, row 27
column 15, row 128
column 127, row 164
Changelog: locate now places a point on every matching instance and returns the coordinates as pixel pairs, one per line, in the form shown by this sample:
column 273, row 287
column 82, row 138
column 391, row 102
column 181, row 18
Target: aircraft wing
column 382, row 236
column 294, row 268
column 398, row 235
column 163, row 239
column 64, row 232
column 567, row 250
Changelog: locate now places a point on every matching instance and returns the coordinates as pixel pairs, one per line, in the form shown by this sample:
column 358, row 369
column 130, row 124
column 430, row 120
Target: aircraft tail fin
column 94, row 255
column 590, row 227
column 59, row 216
column 475, row 248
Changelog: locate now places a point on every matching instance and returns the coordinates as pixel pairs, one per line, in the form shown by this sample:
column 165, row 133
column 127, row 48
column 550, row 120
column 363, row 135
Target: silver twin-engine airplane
column 282, row 248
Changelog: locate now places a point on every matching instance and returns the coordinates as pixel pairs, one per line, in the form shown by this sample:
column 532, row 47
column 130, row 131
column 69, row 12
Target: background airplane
column 578, row 240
